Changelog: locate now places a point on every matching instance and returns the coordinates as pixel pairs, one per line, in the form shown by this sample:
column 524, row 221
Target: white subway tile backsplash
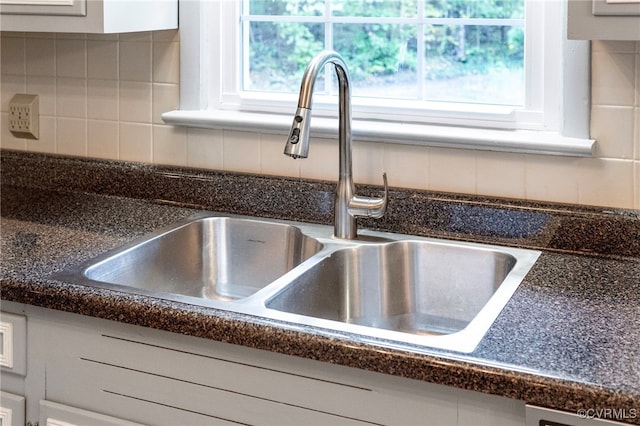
column 45, row 88
column 273, row 161
column 103, row 37
column 47, row 141
column 170, row 145
column 102, row 139
column 102, row 60
column 102, row 99
column 12, row 55
column 134, row 101
column 398, row 159
column 166, row 35
column 166, row 62
column 368, row 162
column 613, row 128
column 71, row 97
column 617, row 46
column 204, row 148
column 71, row 136
column 636, row 182
column 166, row 97
column 115, row 88
column 241, row 153
column 637, row 134
column 142, row 36
column 71, row 58
column 135, row 61
column 452, row 170
column 9, row 86
column 605, row 182
column 70, row 36
column 500, row 174
column 551, row 178
column 7, row 140
column 613, row 78
column 323, row 160
column 135, row 142
column 637, row 103
column 41, row 58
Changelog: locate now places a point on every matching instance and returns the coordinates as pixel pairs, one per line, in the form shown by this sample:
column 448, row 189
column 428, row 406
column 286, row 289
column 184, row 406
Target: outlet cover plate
column 24, row 116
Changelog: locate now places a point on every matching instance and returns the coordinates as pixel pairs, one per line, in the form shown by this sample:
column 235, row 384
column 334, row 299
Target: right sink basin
column 408, row 290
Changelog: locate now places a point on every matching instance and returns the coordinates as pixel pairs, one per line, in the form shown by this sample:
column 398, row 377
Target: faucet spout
column 348, row 205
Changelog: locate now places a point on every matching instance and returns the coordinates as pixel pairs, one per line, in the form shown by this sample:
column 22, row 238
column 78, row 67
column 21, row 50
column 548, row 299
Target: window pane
column 380, row 8
column 278, row 54
column 475, row 64
column 381, row 58
column 286, row 7
column 495, row 9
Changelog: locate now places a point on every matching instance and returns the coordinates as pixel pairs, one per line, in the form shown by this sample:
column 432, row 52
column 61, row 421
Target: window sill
column 536, row 142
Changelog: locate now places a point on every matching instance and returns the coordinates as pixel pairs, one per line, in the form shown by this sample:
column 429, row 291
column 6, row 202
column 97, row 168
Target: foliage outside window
column 463, row 51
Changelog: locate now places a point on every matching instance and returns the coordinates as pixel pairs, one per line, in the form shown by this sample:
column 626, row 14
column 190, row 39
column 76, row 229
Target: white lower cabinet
column 116, row 374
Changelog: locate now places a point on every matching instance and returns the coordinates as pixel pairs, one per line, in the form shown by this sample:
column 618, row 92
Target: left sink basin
column 216, row 258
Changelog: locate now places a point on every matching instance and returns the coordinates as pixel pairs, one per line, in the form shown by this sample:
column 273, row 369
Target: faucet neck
column 347, row 205
column 305, row 99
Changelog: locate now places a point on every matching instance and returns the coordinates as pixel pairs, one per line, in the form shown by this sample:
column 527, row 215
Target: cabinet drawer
column 13, row 343
column 12, row 409
column 139, row 376
column 53, row 414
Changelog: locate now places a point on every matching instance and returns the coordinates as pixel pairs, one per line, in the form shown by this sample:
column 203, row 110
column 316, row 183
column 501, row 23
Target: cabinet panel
column 107, row 387
column 50, row 7
column 53, row 414
column 616, row 7
column 90, row 16
column 159, row 378
column 583, row 24
column 12, row 409
column 13, row 343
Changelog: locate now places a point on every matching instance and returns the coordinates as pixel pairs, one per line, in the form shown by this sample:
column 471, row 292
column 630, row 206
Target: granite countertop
column 568, row 339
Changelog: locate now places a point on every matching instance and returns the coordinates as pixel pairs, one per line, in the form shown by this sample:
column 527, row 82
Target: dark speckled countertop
column 568, row 339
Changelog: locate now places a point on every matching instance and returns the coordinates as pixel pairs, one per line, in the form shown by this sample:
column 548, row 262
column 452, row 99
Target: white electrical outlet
column 24, row 116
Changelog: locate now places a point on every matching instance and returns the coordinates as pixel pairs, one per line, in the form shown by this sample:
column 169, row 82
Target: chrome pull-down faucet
column 348, row 205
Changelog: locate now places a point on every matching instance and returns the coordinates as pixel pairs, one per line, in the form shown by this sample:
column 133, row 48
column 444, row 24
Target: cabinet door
column 603, row 20
column 53, row 414
column 49, row 8
column 11, row 409
column 616, row 8
column 82, row 16
column 13, row 343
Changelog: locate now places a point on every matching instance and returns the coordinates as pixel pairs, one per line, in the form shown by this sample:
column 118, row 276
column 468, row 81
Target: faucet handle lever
column 385, row 198
column 370, row 207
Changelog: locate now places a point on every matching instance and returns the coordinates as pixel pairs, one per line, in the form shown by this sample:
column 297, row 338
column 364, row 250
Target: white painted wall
column 102, row 95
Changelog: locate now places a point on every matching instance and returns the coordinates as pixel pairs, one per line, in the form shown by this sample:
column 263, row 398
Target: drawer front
column 12, row 409
column 147, row 379
column 13, row 343
column 54, row 414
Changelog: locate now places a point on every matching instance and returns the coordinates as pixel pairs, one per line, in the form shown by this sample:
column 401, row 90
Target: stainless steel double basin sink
column 396, row 290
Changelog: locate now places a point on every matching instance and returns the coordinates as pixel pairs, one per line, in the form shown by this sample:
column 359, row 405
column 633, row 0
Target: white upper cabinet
column 604, row 19
column 88, row 16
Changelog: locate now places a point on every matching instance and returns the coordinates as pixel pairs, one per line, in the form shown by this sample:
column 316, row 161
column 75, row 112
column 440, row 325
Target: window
column 445, row 51
column 487, row 74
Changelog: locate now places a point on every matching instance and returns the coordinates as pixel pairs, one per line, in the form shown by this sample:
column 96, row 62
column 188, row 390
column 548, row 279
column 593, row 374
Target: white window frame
column 554, row 121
